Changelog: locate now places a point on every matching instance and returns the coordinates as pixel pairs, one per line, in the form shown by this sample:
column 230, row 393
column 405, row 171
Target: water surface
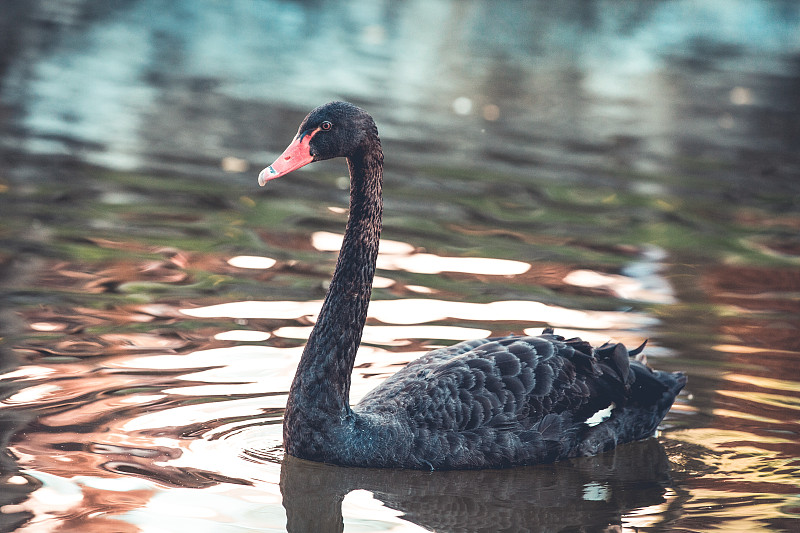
column 615, row 172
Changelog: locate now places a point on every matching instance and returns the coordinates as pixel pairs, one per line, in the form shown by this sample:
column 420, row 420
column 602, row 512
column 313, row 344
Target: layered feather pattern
column 518, row 400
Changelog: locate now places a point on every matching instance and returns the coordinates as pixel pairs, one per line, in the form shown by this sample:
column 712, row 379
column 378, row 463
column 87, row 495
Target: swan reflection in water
column 612, row 488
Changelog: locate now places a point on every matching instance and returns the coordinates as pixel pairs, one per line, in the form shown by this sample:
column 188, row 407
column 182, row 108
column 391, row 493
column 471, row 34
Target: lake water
column 615, row 170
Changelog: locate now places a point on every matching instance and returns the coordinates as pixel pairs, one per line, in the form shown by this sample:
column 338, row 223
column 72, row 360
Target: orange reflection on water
column 82, row 507
column 26, row 372
column 33, row 394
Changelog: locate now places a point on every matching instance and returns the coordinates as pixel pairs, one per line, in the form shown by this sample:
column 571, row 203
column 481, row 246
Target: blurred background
column 530, row 86
column 622, row 170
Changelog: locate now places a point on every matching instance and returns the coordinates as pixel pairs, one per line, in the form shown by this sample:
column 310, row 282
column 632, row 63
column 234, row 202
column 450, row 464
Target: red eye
column 326, row 125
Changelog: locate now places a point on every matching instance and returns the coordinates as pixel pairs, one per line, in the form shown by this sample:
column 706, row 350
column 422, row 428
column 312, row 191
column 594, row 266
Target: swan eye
column 326, row 125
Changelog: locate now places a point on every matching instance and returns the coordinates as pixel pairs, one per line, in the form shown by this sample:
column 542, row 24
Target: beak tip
column 265, row 175
column 296, row 155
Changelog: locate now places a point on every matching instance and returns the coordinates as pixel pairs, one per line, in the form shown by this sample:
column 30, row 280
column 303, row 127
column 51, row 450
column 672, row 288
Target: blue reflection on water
column 172, row 82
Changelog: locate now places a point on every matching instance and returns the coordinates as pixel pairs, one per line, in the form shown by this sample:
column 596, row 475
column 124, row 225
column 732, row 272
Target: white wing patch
column 600, row 416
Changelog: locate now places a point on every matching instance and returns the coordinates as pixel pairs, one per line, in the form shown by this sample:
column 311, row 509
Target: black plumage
column 485, row 403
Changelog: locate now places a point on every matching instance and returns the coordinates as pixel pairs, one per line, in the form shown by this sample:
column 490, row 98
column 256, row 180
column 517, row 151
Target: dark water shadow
column 592, row 493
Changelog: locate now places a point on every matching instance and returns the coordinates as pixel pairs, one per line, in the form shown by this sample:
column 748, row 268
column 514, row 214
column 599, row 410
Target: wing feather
column 523, row 383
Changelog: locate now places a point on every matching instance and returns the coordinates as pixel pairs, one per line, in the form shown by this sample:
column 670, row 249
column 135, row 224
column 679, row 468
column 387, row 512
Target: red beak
column 295, row 156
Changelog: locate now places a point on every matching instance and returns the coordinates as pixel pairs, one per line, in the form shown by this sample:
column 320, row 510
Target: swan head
column 336, row 129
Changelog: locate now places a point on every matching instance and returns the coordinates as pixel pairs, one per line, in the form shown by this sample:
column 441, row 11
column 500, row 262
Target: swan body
column 485, row 403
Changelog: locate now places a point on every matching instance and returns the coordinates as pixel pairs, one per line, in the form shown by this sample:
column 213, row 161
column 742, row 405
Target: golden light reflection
column 621, row 286
column 735, row 348
column 31, row 395
column 681, row 407
column 242, row 335
column 203, row 412
column 257, row 309
column 267, row 369
column 252, row 261
column 27, row 372
column 736, row 511
column 48, row 326
column 418, row 311
column 764, row 398
column 140, row 399
column 199, row 359
column 762, row 382
column 649, row 516
column 382, row 283
column 325, row 241
column 397, row 335
column 420, row 289
column 718, row 439
column 141, row 341
column 744, row 416
column 746, row 477
column 220, row 372
column 396, row 255
column 435, row 264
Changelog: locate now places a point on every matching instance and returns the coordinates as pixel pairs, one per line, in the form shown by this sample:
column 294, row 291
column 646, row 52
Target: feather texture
column 515, row 400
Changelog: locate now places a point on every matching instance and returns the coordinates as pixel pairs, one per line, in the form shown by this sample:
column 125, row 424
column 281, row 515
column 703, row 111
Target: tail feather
column 651, row 386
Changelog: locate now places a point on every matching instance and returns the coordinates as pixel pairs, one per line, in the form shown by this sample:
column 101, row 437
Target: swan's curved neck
column 321, row 386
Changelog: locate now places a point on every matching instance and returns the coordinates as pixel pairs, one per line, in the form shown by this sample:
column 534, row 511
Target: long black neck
column 321, row 386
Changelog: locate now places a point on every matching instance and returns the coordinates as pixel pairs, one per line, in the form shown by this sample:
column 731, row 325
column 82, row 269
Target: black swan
column 485, row 403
